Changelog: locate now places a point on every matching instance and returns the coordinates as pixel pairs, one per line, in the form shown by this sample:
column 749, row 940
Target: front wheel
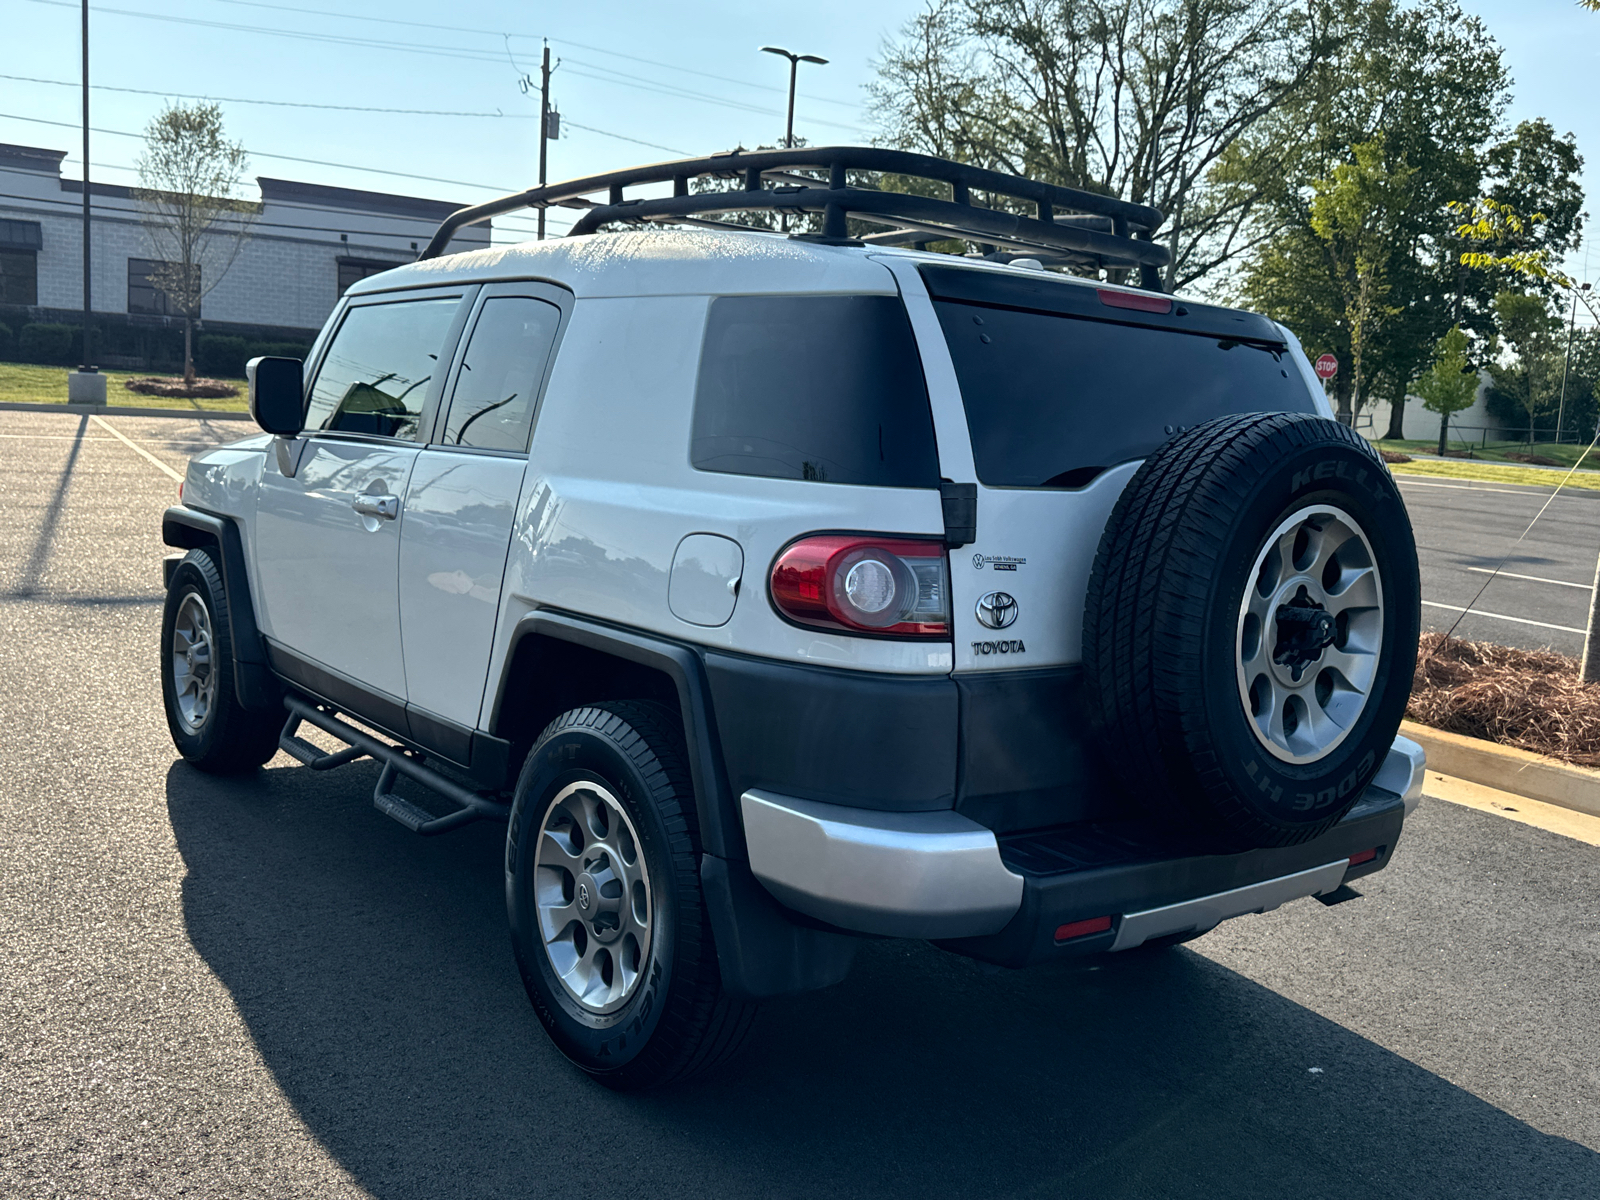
column 209, row 726
column 608, row 923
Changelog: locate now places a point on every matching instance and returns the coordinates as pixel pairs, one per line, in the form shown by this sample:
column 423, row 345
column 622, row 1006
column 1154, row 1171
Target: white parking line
column 1477, row 612
column 1530, row 578
column 139, row 450
column 1462, row 487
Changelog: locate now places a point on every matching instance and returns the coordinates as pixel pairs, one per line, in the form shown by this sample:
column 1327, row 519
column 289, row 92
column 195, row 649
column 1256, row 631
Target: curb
column 125, row 410
column 1507, row 769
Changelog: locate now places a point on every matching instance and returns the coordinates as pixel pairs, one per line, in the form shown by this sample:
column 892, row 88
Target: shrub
column 277, row 350
column 52, row 345
column 152, row 385
column 221, row 354
column 8, row 344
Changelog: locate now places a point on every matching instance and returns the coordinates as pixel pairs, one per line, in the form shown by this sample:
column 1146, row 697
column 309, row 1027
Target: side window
column 827, row 388
column 374, row 378
column 492, row 408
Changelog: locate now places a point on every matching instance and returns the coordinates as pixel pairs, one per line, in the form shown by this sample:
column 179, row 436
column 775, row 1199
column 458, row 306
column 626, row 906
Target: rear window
column 826, row 388
column 1053, row 400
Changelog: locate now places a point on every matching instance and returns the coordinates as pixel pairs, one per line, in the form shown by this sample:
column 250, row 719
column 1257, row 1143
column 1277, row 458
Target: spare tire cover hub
column 1309, row 633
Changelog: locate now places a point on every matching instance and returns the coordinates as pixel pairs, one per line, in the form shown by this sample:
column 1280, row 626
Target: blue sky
column 686, row 77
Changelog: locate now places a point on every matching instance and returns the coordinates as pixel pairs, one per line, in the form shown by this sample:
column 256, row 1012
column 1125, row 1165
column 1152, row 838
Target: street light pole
column 1566, row 365
column 788, row 129
column 86, row 292
column 794, row 68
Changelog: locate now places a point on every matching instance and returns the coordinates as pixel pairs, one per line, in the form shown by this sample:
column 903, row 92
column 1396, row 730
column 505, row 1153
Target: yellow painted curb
column 1578, row 826
column 1508, row 769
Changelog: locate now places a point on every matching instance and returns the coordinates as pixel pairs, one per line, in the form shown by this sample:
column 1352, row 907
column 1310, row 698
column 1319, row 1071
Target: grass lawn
column 1566, row 453
column 1488, row 472
column 48, row 385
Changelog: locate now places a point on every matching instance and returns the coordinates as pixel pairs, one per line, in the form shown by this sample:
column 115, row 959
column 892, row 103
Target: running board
column 471, row 806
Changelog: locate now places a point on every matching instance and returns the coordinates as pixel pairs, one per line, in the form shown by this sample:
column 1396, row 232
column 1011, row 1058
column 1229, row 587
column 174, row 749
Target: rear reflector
column 1365, row 856
column 1135, row 301
column 1078, row 929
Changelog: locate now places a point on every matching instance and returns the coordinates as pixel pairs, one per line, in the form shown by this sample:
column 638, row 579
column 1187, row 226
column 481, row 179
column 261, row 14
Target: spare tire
column 1251, row 624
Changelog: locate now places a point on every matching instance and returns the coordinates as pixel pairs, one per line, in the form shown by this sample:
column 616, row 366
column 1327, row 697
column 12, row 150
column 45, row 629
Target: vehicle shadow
column 373, row 971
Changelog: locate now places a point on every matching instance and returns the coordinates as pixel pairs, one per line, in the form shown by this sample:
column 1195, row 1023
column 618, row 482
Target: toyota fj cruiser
column 781, row 591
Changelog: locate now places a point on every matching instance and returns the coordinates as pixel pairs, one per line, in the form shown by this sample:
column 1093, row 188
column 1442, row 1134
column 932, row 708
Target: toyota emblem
column 583, row 895
column 997, row 610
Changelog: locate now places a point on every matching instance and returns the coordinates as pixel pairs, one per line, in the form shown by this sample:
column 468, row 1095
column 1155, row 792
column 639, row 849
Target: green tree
column 1357, row 214
column 1411, row 93
column 188, row 173
column 1451, row 383
column 1134, row 98
column 1528, row 379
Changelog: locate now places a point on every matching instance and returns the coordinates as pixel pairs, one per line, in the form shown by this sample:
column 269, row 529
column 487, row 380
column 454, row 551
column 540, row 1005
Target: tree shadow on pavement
column 373, row 970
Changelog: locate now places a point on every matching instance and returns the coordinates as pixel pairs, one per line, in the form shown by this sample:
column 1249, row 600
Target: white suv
column 781, row 591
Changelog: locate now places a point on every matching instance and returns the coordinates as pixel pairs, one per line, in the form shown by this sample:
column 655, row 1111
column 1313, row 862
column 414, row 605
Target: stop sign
column 1327, row 367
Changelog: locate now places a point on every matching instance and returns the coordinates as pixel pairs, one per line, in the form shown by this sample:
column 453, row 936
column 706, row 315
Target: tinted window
column 353, row 270
column 375, row 376
column 814, row 387
column 1053, row 400
column 493, row 403
column 19, row 276
column 145, row 294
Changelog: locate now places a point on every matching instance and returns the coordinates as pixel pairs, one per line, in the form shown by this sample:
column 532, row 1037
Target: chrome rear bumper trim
column 919, row 875
column 1206, row 912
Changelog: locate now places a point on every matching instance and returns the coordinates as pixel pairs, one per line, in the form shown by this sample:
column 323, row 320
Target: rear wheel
column 608, row 922
column 209, row 726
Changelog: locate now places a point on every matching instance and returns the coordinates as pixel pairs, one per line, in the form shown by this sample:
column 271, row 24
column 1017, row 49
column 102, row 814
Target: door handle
column 386, row 508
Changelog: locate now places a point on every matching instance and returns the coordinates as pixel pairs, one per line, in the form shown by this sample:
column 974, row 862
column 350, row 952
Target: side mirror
column 277, row 399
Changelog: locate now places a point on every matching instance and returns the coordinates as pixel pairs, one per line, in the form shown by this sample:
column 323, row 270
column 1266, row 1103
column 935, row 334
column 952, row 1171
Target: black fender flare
column 191, row 528
column 721, row 832
column 761, row 951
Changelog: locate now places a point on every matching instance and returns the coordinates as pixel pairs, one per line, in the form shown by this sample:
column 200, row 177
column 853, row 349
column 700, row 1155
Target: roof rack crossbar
column 828, row 191
column 925, row 214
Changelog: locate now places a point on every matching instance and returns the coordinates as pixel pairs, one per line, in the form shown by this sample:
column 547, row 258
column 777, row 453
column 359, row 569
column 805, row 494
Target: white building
column 308, row 244
column 1472, row 424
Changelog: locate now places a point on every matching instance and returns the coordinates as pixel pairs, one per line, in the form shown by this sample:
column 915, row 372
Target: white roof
column 657, row 262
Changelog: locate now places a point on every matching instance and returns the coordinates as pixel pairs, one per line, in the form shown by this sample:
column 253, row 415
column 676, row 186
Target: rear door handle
column 386, row 508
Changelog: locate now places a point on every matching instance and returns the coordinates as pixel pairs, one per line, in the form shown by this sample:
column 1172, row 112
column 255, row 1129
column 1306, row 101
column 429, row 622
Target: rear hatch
column 1065, row 387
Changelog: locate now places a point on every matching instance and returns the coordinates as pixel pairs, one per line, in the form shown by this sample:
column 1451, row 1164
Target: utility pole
column 544, row 126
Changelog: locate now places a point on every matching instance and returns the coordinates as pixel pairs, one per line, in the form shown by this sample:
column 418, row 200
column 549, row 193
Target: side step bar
column 471, row 806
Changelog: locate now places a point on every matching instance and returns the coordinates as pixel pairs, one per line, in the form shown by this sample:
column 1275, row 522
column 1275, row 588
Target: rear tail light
column 1364, row 856
column 856, row 583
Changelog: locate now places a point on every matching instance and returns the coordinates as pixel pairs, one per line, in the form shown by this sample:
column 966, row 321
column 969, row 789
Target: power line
column 412, row 112
column 320, row 12
column 316, row 162
column 461, row 52
column 621, row 137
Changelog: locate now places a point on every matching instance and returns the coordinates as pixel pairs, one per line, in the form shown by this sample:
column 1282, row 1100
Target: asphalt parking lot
column 1466, row 531
column 262, row 987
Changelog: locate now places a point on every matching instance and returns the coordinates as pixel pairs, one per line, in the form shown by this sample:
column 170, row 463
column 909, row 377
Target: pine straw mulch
column 200, row 389
column 1394, row 456
column 1531, row 699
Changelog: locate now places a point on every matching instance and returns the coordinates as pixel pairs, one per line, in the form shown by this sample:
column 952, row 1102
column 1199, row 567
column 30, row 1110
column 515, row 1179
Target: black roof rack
column 1068, row 225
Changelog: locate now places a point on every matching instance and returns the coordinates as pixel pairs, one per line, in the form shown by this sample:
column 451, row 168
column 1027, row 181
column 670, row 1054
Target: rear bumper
column 942, row 876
